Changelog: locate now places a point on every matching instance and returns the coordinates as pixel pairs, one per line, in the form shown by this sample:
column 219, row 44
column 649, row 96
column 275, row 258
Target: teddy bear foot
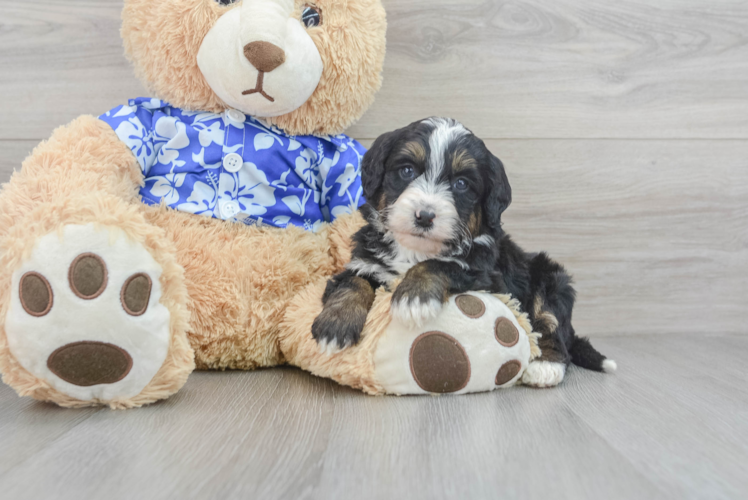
column 477, row 343
column 85, row 315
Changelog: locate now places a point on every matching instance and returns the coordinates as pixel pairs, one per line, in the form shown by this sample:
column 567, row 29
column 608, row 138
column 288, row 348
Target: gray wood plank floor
column 624, row 129
column 672, row 423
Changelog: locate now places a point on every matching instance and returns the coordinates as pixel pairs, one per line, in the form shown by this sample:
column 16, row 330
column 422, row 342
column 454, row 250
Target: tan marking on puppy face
column 476, row 219
column 416, row 151
column 382, row 202
column 462, row 160
column 162, row 40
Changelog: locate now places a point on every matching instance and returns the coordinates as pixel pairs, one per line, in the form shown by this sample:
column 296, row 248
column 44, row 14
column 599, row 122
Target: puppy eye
column 460, row 185
column 311, row 16
column 226, row 2
column 407, row 173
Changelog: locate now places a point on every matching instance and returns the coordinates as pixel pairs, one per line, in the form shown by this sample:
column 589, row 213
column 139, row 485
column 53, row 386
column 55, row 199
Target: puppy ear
column 372, row 168
column 499, row 195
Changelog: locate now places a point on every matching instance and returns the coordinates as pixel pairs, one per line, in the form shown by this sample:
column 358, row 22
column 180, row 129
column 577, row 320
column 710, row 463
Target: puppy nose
column 264, row 56
column 90, row 363
column 425, row 219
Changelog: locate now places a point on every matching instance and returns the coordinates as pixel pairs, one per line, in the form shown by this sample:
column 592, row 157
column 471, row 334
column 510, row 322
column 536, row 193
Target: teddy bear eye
column 311, row 16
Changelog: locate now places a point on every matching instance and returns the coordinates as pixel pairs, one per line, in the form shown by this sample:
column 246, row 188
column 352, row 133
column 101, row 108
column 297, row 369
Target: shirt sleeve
column 133, row 124
column 343, row 182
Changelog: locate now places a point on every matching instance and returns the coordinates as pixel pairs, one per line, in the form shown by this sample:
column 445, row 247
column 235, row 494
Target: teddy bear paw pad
column 475, row 344
column 439, row 363
column 85, row 315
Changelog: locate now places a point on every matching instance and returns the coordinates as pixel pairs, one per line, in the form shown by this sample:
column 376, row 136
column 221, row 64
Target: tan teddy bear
column 199, row 229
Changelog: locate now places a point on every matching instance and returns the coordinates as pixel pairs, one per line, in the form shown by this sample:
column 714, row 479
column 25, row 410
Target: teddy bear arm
column 79, row 159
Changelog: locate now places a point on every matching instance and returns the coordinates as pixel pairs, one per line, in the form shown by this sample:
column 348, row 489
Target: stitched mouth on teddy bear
column 258, row 88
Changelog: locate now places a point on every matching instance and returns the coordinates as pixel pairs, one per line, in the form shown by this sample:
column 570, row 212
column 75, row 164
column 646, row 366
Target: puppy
column 435, row 199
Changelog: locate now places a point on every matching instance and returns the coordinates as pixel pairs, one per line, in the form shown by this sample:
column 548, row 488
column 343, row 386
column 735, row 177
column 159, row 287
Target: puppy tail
column 586, row 356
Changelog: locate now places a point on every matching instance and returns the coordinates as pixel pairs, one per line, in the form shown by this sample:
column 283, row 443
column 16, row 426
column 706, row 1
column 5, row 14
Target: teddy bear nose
column 264, row 56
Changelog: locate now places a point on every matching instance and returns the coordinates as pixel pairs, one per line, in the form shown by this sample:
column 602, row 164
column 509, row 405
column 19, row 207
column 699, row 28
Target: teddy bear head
column 306, row 66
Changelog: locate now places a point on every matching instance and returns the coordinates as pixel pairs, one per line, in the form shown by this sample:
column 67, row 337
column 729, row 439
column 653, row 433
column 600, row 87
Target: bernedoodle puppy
column 435, row 199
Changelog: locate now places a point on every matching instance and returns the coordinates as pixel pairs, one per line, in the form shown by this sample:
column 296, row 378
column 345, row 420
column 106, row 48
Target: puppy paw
column 337, row 328
column 544, row 374
column 419, row 298
column 411, row 311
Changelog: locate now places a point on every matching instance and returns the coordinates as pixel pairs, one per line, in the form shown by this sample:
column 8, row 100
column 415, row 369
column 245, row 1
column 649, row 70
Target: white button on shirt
column 233, row 162
column 236, row 116
column 229, row 209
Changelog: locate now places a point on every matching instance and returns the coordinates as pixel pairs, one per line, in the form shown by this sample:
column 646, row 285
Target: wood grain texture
column 670, row 424
column 524, row 69
column 568, row 68
column 60, row 59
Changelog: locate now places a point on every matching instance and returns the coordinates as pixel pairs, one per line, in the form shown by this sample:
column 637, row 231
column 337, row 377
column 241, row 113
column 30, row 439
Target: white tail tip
column 609, row 366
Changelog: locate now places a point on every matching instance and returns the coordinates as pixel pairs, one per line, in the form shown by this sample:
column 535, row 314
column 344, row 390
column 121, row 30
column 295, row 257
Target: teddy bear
column 197, row 230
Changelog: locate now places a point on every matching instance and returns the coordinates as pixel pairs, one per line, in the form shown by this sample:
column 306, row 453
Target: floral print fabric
column 189, row 161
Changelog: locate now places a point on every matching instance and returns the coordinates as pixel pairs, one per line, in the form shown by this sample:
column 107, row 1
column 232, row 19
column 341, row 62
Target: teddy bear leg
column 479, row 342
column 92, row 300
column 94, row 308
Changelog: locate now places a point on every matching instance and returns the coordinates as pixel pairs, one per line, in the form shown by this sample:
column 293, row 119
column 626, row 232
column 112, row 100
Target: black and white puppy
column 435, row 199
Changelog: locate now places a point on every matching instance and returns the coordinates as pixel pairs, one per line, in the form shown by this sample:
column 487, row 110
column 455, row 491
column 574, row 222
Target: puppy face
column 435, row 187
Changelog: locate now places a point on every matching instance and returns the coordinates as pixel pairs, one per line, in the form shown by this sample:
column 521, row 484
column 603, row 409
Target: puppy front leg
column 425, row 289
column 347, row 301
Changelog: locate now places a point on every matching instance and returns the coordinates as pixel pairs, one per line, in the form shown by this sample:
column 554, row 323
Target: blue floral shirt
column 237, row 168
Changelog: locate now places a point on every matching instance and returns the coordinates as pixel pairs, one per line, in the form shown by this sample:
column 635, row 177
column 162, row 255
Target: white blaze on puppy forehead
column 445, row 132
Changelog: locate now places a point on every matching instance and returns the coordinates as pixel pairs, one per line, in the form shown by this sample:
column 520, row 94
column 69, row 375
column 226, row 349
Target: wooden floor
column 624, row 129
column 673, row 423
